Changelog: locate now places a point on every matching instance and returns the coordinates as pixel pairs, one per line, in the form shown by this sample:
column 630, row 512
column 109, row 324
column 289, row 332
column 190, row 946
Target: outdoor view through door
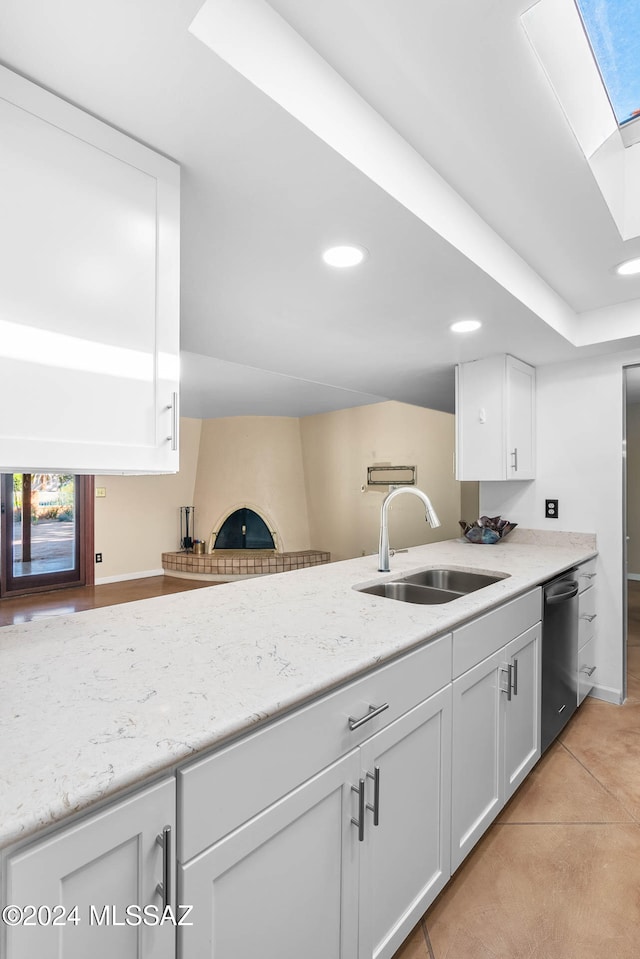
column 47, row 531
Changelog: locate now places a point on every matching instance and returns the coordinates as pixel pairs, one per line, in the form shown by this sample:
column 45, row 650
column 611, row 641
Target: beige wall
column 338, row 447
column 304, row 476
column 139, row 517
column 253, row 461
column 633, row 488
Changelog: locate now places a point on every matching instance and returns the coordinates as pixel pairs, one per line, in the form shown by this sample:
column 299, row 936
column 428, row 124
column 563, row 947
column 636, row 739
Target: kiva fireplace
column 243, row 545
column 243, row 529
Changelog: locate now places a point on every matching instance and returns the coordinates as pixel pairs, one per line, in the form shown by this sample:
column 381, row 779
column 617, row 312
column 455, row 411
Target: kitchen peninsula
column 95, row 704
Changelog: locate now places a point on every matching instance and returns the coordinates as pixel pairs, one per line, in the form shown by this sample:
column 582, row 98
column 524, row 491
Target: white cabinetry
column 89, row 292
column 283, row 884
column 405, row 858
column 495, row 419
column 344, row 863
column 496, row 717
column 586, row 628
column 110, row 859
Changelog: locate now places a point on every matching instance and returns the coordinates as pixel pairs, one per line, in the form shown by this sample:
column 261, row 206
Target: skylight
column 613, row 29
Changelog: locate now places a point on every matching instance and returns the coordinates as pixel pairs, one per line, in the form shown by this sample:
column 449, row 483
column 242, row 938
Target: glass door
column 47, row 535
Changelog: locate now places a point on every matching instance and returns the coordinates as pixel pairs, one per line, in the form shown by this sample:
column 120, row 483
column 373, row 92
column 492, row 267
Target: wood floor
column 22, row 609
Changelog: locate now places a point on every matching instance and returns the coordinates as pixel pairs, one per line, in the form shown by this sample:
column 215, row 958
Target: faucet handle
column 392, row 552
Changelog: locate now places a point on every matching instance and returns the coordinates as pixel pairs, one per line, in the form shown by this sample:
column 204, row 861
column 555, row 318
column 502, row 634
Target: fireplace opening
column 244, row 529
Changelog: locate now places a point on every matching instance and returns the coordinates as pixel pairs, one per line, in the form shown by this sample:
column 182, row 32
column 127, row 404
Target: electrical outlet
column 551, row 509
column 98, row 557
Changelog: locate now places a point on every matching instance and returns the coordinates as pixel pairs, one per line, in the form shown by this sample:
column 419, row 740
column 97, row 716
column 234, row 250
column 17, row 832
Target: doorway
column 631, row 506
column 46, row 535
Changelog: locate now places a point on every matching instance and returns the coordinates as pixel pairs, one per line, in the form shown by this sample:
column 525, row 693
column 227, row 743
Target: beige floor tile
column 607, row 742
column 555, row 891
column 560, row 789
column 414, row 947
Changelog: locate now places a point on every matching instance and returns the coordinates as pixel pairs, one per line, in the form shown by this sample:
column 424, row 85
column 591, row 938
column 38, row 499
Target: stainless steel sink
column 457, row 580
column 431, row 587
column 408, row 593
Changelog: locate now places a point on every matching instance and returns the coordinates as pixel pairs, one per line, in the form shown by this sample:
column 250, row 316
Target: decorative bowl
column 486, row 530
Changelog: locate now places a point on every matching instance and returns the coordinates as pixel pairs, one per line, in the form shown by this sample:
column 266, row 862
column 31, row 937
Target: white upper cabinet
column 89, row 292
column 495, row 419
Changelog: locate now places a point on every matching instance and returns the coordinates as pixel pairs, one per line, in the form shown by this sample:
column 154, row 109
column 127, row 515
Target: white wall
column 580, row 415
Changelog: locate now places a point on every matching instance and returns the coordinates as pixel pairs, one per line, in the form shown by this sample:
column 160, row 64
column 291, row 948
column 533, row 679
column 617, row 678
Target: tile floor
column 557, row 876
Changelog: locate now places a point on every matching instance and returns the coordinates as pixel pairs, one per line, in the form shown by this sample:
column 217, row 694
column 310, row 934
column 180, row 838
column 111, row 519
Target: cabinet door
column 477, row 772
column 480, row 418
column 285, row 883
column 405, row 859
column 109, row 860
column 522, row 709
column 520, row 411
column 89, row 292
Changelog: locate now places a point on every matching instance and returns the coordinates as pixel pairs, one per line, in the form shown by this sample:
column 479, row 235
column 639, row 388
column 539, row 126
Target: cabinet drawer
column 587, row 616
column 482, row 637
column 220, row 792
column 586, row 669
column 587, row 574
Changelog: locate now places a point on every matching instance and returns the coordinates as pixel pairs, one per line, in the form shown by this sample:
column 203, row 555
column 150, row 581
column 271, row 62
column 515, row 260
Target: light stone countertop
column 97, row 701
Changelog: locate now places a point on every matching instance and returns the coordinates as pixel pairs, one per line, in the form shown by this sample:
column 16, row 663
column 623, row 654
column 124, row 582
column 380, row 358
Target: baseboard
column 607, row 694
column 635, row 576
column 100, row 581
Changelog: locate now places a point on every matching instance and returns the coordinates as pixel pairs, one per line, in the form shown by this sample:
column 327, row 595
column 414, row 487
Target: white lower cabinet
column 285, row 884
column 496, row 736
column 325, row 834
column 341, row 867
column 102, row 865
column 405, row 858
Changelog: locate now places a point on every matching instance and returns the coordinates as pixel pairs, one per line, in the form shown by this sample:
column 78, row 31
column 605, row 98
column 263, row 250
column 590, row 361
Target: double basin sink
column 433, row 586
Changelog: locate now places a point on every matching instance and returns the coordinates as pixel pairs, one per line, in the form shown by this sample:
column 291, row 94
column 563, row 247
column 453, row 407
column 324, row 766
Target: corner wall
column 253, row 461
column 580, row 415
column 337, row 449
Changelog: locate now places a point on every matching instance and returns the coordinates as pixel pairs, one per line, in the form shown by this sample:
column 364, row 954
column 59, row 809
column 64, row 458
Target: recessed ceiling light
column 465, row 326
column 629, row 267
column 342, row 256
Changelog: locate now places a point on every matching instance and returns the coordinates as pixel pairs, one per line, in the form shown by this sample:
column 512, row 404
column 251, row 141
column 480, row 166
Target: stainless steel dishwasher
column 559, row 655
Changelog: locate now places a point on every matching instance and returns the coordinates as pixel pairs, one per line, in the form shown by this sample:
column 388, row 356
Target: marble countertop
column 97, row 701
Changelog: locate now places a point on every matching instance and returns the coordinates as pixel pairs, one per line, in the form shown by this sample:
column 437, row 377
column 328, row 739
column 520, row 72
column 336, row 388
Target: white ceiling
column 266, row 327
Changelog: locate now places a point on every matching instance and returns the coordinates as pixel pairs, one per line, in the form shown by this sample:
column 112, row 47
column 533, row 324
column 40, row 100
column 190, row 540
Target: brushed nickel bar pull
column 173, row 406
column 359, row 822
column 164, row 888
column 515, row 677
column 375, row 809
column 588, row 575
column 509, row 681
column 514, row 465
column 588, row 616
column 373, row 711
